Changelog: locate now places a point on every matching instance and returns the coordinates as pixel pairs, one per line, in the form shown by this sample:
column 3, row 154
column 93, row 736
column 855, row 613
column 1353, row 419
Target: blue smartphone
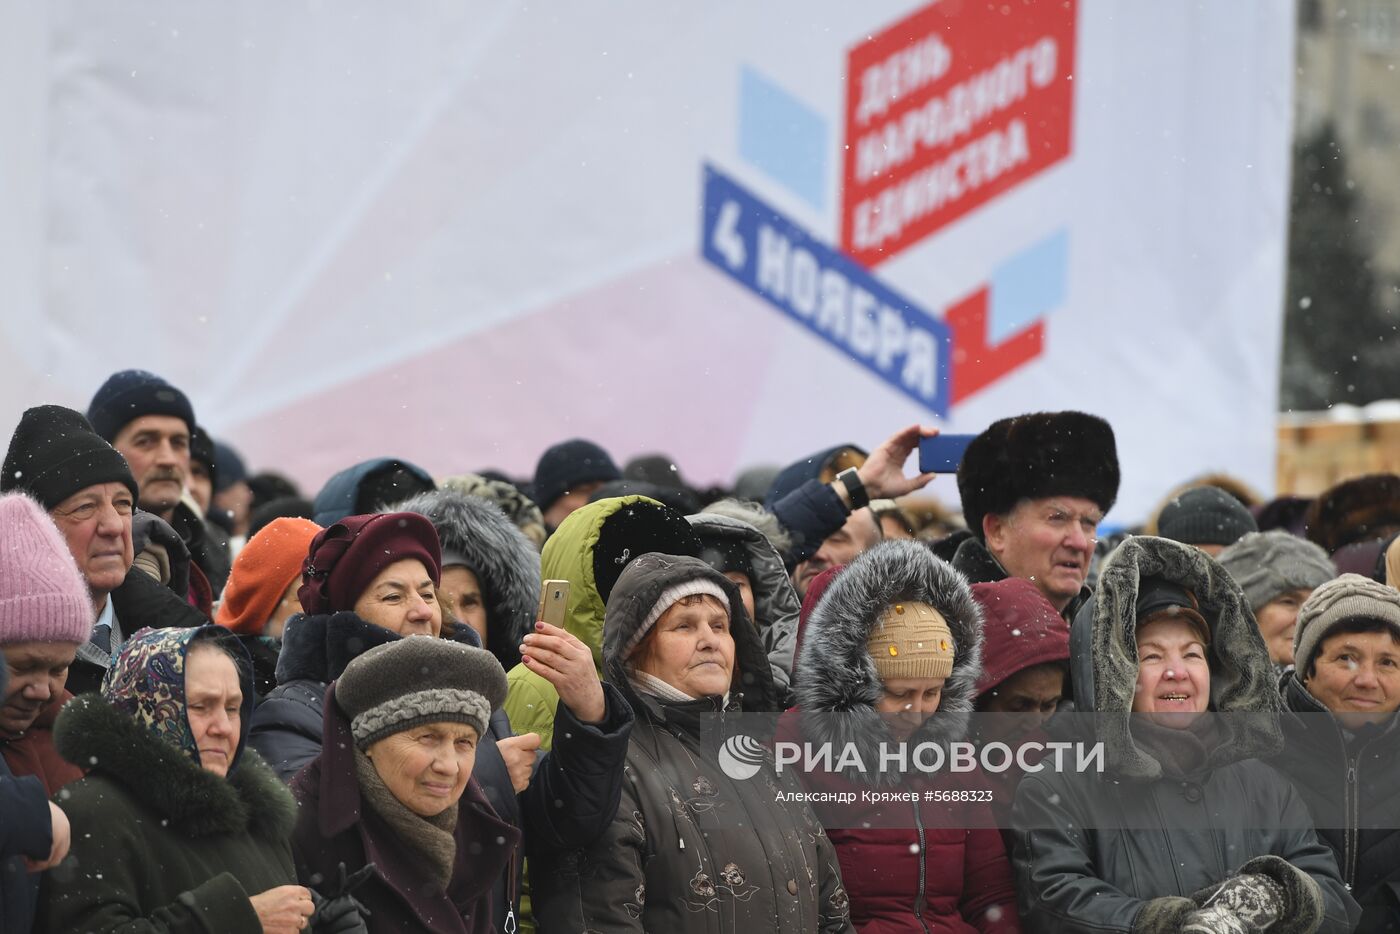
column 942, row 453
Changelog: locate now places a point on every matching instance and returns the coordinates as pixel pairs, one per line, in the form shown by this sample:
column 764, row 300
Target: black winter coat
column 1351, row 783
column 160, row 844
column 691, row 849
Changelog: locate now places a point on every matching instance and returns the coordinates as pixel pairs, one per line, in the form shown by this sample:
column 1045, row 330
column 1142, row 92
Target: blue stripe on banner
column 825, row 291
column 783, row 137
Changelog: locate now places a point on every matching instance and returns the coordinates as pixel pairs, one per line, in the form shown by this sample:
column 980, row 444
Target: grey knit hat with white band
column 418, row 680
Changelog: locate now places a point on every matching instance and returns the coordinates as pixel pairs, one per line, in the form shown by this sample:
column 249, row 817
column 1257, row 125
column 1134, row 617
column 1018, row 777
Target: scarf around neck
column 430, row 838
column 663, row 691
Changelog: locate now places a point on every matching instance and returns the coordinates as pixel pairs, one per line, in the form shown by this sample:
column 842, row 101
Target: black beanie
column 202, row 451
column 569, row 464
column 130, row 394
column 54, row 453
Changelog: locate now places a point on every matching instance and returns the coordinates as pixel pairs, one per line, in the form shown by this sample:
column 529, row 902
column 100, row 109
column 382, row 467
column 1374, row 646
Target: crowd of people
column 229, row 708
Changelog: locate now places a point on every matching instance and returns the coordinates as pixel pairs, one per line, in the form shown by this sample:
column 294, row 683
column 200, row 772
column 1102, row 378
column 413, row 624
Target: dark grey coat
column 1229, row 813
column 1351, row 783
column 691, row 849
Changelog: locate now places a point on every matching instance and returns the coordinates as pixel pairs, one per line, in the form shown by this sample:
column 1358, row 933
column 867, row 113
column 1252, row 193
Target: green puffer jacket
column 589, row 550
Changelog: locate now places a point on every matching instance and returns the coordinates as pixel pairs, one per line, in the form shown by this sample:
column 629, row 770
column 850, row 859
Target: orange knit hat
column 263, row 571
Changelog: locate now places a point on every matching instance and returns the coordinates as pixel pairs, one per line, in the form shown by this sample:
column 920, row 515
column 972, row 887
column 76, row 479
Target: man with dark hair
column 1034, row 489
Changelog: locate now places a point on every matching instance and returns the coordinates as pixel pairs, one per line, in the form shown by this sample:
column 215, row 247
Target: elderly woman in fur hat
column 692, row 847
column 891, row 655
column 1184, row 829
column 178, row 827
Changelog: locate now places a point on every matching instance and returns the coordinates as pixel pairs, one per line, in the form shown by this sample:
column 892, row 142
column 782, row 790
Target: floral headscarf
column 147, row 683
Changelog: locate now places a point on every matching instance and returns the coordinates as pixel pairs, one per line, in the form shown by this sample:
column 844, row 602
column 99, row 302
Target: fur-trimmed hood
column 317, row 648
column 91, row 734
column 775, row 604
column 835, row 673
column 506, row 564
column 1103, row 656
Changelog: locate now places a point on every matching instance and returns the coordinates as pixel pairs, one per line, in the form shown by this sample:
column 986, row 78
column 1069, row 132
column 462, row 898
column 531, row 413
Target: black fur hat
column 1037, row 455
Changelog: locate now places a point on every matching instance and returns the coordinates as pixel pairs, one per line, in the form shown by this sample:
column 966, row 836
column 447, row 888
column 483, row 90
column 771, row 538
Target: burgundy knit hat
column 1020, row 629
column 346, row 557
column 42, row 594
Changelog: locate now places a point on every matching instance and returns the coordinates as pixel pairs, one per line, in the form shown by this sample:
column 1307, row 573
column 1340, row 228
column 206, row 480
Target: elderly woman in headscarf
column 1185, row 829
column 692, row 847
column 177, row 827
column 393, row 787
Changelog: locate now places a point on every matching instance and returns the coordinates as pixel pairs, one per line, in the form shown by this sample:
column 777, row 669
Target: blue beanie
column 130, row 394
column 228, row 467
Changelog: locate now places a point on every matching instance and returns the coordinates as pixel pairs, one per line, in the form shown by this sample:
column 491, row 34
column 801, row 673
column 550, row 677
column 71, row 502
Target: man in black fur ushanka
column 1034, row 489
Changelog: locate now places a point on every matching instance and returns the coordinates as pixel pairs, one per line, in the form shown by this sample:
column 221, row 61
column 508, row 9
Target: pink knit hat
column 42, row 595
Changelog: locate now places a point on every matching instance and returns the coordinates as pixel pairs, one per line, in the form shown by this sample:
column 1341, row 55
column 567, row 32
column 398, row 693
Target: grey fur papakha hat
column 418, row 680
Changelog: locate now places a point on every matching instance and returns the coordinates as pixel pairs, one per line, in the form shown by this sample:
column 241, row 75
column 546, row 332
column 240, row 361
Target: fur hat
column 569, row 464
column 1034, row 456
column 518, row 507
column 476, row 535
column 1266, row 564
column 54, row 453
column 1348, row 597
column 42, row 594
column 344, row 558
column 417, row 680
column 1205, row 515
column 128, row 395
column 1361, row 508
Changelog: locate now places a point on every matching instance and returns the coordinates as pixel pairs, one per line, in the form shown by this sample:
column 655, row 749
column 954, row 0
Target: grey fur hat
column 477, row 534
column 1266, row 564
column 1350, row 596
column 409, row 682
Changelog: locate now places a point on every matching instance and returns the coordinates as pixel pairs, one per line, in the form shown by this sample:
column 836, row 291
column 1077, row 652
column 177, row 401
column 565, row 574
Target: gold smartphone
column 554, row 602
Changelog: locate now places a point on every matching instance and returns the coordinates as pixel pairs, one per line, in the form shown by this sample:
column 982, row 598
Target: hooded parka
column 775, row 603
column 928, row 877
column 1175, row 812
column 692, row 849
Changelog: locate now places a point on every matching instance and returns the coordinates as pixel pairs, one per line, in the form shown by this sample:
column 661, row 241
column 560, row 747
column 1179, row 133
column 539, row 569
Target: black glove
column 341, row 912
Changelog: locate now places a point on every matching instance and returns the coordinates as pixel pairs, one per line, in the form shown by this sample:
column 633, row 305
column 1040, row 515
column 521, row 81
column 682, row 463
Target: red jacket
column 32, row 753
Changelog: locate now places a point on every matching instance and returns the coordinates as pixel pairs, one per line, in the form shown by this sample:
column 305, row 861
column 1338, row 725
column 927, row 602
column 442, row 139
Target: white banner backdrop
column 457, row 233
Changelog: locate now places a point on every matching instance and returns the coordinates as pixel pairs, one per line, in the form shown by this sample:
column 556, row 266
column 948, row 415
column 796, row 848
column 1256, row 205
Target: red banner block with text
column 975, row 363
column 947, row 109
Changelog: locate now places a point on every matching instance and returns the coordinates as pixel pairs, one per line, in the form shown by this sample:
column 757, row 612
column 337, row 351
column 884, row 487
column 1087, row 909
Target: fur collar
column 198, row 803
column 835, row 673
column 317, row 648
column 1103, row 648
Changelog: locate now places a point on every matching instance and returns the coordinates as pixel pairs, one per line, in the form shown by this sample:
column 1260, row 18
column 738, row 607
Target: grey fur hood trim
column 836, row 674
column 1103, row 655
column 775, row 604
column 505, row 563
